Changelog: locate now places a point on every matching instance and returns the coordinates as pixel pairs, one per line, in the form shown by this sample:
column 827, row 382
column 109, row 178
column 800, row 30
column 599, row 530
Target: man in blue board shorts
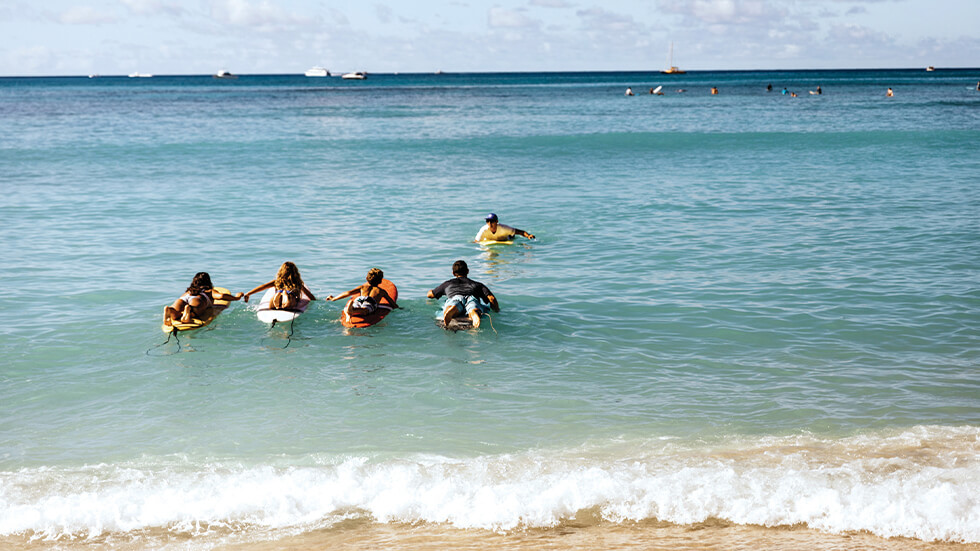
column 493, row 230
column 464, row 295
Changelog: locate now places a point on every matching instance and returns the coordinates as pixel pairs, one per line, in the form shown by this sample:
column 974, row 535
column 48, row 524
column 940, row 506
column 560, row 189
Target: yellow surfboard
column 219, row 306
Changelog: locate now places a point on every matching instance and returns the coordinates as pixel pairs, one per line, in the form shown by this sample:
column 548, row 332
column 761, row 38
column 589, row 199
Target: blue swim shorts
column 463, row 303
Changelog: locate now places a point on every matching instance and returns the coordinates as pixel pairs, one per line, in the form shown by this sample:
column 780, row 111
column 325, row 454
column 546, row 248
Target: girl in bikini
column 289, row 288
column 196, row 302
column 369, row 295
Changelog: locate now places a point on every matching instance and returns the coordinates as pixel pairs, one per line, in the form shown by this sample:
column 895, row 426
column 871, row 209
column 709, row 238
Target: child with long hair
column 289, row 288
column 196, row 302
column 369, row 295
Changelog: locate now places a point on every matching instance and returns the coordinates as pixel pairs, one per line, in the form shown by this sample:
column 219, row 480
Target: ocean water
column 748, row 320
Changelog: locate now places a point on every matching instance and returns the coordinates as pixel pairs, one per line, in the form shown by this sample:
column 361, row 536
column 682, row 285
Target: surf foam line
column 922, row 483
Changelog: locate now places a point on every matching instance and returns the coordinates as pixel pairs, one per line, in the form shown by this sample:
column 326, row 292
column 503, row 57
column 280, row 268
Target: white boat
column 317, row 72
column 358, row 75
column 140, row 75
column 930, row 68
column 224, row 74
column 671, row 68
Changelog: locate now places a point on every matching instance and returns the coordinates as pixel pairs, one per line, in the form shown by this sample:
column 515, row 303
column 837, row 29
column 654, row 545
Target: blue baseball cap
column 491, row 217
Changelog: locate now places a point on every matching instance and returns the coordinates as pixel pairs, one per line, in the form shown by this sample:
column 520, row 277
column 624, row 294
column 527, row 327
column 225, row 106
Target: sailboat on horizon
column 671, row 68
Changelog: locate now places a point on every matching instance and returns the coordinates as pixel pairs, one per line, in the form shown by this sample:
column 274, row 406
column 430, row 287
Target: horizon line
column 441, row 73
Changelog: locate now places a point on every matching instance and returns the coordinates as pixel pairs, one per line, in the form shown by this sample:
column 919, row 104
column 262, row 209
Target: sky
column 113, row 37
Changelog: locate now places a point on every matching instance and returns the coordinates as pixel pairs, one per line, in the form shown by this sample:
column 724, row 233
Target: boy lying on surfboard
column 463, row 295
column 370, row 295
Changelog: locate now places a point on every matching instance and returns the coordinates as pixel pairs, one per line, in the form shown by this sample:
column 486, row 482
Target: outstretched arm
column 262, row 287
column 524, row 233
column 345, row 294
column 223, row 296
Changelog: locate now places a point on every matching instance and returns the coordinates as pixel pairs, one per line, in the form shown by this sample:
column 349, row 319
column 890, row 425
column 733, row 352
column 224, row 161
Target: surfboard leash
column 289, row 337
column 491, row 323
column 174, row 334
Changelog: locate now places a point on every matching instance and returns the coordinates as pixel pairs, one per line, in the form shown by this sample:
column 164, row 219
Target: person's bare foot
column 447, row 316
column 475, row 318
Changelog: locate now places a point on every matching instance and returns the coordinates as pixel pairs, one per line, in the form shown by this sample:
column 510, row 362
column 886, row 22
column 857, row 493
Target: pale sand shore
column 650, row 535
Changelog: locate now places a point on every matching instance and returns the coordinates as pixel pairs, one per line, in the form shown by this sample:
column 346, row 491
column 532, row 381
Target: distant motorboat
column 140, row 75
column 358, row 75
column 317, row 72
column 224, row 74
column 671, row 68
column 930, row 68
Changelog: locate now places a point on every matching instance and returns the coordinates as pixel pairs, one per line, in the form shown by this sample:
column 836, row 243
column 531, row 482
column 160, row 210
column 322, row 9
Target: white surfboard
column 270, row 315
column 658, row 89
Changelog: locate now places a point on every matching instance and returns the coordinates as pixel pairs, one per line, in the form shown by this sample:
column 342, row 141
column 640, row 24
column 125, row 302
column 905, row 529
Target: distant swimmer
column 629, row 91
column 785, row 91
column 793, row 95
column 493, row 230
column 769, row 88
column 681, row 90
column 714, row 90
column 817, row 92
column 890, row 93
column 657, row 91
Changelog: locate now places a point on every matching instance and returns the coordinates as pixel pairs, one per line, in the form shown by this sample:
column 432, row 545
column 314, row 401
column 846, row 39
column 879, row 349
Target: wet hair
column 200, row 284
column 374, row 276
column 460, row 268
column 288, row 278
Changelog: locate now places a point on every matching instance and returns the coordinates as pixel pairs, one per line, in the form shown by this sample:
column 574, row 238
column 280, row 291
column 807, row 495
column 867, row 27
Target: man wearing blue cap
column 495, row 231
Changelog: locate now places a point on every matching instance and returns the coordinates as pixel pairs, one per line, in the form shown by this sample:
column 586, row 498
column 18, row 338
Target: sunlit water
column 745, row 309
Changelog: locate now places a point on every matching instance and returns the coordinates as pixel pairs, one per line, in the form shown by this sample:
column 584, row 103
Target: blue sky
column 61, row 37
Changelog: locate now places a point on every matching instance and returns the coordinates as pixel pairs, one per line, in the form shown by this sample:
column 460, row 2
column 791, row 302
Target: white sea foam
column 923, row 483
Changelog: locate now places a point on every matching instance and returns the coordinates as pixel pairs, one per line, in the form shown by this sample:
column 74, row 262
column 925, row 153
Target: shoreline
column 582, row 533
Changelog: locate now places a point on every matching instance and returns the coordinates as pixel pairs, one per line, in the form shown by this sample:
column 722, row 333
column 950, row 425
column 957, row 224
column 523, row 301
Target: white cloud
column 383, row 12
column 154, row 7
column 503, row 18
column 85, row 15
column 550, row 4
column 599, row 20
column 723, row 12
column 261, row 16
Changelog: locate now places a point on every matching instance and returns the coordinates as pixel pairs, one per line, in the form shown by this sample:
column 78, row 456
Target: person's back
column 463, row 295
column 462, row 286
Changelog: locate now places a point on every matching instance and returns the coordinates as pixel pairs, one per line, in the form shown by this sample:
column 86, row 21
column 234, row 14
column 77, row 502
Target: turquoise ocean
column 748, row 319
